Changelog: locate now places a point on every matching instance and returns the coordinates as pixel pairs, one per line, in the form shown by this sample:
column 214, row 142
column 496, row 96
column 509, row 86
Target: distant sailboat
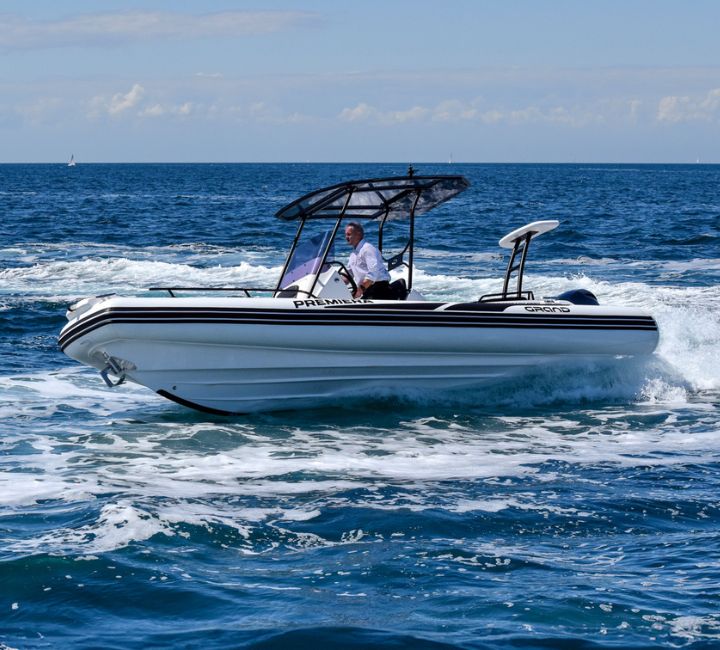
column 450, row 161
column 72, row 160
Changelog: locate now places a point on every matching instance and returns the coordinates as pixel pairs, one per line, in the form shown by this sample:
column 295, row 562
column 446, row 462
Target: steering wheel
column 344, row 272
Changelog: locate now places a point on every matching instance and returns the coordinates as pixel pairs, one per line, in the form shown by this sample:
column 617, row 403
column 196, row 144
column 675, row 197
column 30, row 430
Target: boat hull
column 242, row 355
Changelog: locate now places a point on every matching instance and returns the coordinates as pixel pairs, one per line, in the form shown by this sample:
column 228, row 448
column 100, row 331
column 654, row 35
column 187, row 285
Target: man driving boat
column 366, row 266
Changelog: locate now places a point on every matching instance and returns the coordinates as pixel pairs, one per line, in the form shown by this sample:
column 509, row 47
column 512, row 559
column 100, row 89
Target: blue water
column 573, row 508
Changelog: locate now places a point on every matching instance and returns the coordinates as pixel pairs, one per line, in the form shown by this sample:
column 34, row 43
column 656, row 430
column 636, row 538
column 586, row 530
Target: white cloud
column 575, row 117
column 113, row 29
column 122, row 102
column 156, row 110
column 184, row 109
column 360, row 113
column 674, row 109
column 365, row 113
column 262, row 112
column 454, row 110
column 118, row 104
column 489, row 117
column 415, row 114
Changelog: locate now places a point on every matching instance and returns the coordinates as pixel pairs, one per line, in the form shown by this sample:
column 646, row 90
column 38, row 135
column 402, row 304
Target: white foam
column 163, row 479
column 22, row 489
column 688, row 316
column 118, row 525
column 161, row 463
column 693, row 628
column 658, row 391
column 38, row 395
column 90, row 277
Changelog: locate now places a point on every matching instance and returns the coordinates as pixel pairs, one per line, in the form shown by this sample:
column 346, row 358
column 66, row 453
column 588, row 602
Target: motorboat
column 306, row 340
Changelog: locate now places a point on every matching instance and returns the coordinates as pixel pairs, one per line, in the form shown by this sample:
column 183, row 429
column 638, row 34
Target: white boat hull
column 238, row 355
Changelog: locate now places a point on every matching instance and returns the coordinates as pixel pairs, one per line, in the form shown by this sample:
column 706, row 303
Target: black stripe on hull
column 193, row 405
column 374, row 318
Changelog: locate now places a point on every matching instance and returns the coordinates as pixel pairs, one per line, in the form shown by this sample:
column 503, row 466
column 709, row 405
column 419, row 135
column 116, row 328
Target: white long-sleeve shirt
column 366, row 263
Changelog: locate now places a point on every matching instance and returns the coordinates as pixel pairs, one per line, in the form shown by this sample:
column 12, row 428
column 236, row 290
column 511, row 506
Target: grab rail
column 246, row 290
column 507, row 297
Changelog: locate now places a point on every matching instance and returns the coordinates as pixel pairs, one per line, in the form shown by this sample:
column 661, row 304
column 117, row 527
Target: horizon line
column 351, row 162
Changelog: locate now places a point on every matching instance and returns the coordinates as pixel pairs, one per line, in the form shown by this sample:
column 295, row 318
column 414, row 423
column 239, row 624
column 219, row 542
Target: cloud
column 262, row 113
column 674, row 109
column 366, row 113
column 360, row 113
column 160, row 110
column 117, row 104
column 137, row 104
column 120, row 103
column 456, row 111
column 124, row 103
column 634, row 106
column 453, row 110
column 414, row 114
column 109, row 29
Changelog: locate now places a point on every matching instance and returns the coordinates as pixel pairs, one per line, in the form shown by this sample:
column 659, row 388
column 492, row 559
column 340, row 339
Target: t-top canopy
column 372, row 198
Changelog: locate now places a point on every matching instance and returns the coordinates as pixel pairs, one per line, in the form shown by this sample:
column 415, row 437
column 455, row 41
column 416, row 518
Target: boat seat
column 399, row 289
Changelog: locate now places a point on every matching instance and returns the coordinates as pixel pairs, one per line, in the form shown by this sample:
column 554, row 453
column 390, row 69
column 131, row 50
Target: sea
column 575, row 507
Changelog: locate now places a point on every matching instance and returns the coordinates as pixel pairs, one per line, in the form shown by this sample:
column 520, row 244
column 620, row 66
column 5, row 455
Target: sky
column 372, row 81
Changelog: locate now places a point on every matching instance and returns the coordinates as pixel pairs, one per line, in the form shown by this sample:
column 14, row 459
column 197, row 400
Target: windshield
column 307, row 257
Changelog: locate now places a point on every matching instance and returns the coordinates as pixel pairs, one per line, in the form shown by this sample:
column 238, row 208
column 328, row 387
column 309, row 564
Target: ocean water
column 575, row 508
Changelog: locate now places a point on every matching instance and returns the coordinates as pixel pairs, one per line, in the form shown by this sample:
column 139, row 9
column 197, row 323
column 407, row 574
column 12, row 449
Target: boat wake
column 124, row 467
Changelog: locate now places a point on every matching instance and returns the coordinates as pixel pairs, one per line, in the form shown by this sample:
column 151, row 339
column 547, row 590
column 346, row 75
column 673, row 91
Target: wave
column 200, row 255
column 703, row 264
column 61, row 280
column 44, row 262
column 349, row 638
column 137, row 467
column 688, row 317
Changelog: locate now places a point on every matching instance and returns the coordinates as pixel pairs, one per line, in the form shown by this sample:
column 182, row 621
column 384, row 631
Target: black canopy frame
column 375, row 199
